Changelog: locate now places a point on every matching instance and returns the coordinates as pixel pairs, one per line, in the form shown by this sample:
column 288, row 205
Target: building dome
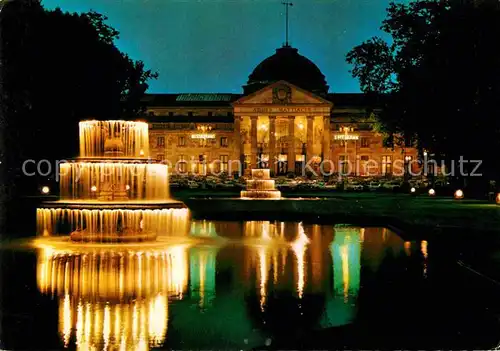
column 287, row 64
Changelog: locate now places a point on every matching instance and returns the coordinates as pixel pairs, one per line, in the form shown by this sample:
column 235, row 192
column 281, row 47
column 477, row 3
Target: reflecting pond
column 242, row 285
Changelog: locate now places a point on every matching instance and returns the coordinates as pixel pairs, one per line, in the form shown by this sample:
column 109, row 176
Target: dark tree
column 59, row 68
column 441, row 78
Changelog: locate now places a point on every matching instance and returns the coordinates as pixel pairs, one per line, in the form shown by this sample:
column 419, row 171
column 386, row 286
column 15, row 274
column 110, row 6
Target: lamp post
column 346, row 131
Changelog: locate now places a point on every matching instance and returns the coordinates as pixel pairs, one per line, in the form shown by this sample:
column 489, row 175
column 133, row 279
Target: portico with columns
column 282, row 127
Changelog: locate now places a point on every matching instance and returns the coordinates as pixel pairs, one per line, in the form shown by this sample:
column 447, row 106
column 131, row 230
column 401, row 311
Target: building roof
column 190, row 99
column 287, row 64
column 224, row 100
column 190, row 119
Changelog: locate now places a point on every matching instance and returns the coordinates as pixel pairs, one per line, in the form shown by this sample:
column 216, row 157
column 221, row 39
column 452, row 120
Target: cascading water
column 261, row 186
column 112, row 192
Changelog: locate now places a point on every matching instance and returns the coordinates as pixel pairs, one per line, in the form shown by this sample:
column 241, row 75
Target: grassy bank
column 419, row 211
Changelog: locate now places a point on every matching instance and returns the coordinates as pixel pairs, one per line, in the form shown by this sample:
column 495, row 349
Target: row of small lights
column 459, row 194
column 46, row 190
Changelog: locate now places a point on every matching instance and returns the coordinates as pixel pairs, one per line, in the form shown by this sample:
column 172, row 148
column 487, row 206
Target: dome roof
column 287, row 64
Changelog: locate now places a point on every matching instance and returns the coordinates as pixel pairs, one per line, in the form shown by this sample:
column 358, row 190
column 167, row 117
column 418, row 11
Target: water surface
column 243, row 285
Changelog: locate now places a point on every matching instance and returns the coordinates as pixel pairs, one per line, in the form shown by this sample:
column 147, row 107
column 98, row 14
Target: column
column 238, row 142
column 291, row 144
column 253, row 138
column 326, row 145
column 310, row 141
column 272, row 144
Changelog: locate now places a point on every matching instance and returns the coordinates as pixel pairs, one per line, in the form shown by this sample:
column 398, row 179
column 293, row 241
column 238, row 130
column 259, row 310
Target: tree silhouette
column 57, row 69
column 440, row 78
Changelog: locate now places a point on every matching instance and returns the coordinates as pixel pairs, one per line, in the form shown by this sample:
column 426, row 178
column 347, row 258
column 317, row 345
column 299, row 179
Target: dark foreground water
column 245, row 285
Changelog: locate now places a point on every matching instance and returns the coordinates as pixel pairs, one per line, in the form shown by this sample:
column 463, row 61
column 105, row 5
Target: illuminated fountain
column 112, row 192
column 261, row 186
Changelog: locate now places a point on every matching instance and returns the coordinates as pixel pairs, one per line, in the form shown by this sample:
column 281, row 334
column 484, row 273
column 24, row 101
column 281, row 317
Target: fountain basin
column 112, row 205
column 83, row 236
column 261, row 194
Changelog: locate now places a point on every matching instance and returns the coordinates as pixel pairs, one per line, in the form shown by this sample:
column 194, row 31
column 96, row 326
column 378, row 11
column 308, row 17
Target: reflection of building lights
column 45, row 190
column 93, row 188
column 346, row 252
column 407, row 247
column 202, row 271
column 423, row 249
column 263, row 271
column 299, row 248
column 459, row 194
column 432, row 192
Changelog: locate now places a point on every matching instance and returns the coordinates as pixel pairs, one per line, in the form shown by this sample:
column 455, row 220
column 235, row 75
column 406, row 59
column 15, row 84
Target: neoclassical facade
column 285, row 120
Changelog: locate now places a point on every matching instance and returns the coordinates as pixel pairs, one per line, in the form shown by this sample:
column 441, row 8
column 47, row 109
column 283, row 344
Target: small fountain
column 112, row 192
column 261, row 186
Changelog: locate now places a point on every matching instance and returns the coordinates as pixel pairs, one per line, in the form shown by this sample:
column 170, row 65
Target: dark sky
column 213, row 45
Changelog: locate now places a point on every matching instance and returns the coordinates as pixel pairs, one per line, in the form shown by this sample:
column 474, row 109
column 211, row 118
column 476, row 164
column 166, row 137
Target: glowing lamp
column 432, row 192
column 413, row 190
column 459, row 194
column 45, row 190
column 141, row 152
column 497, row 199
column 93, row 188
column 127, row 187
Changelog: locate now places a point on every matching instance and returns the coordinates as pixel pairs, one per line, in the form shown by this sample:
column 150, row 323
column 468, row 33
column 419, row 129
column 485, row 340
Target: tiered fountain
column 261, row 186
column 112, row 192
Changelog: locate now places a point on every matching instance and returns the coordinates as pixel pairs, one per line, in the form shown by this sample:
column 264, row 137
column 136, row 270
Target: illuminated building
column 285, row 113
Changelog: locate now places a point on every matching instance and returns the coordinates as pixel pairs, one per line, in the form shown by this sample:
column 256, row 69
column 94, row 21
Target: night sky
column 213, row 45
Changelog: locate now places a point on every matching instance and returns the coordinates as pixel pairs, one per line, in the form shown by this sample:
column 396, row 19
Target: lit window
column 224, row 163
column 344, row 163
column 160, row 157
column 247, row 161
column 160, row 141
column 182, row 164
column 386, row 164
column 365, row 142
column 181, row 141
column 224, row 142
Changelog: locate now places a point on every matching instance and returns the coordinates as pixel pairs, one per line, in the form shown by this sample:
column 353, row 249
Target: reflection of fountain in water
column 109, row 193
column 113, row 299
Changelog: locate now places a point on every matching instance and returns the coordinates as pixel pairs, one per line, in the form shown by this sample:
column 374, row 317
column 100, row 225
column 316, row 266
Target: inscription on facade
column 283, row 110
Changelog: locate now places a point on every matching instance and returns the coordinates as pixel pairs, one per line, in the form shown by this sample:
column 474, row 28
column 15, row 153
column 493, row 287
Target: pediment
column 282, row 93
